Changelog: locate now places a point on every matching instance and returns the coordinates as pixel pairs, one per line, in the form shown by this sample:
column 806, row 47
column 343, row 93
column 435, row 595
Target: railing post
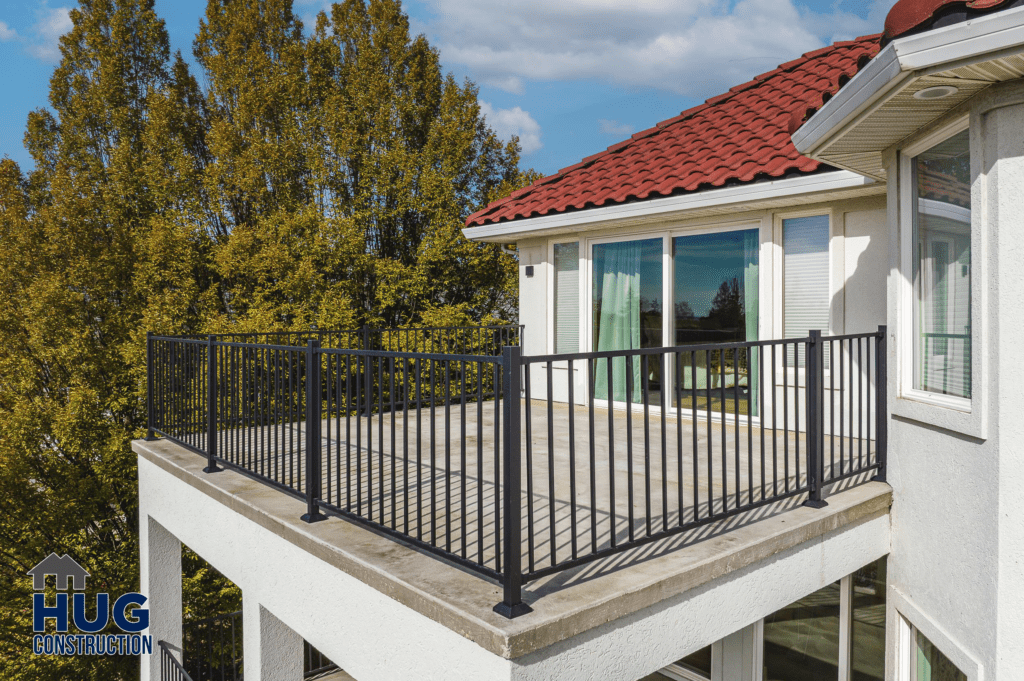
column 512, row 579
column 313, row 409
column 211, row 407
column 815, row 420
column 881, row 403
column 150, row 402
column 367, row 373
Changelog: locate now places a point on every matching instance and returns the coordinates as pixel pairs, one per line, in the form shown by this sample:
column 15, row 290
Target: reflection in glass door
column 628, row 310
column 716, row 301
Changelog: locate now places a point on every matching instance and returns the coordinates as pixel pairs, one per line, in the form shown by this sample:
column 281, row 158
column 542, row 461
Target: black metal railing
column 464, row 340
column 519, row 467
column 170, row 668
column 213, row 647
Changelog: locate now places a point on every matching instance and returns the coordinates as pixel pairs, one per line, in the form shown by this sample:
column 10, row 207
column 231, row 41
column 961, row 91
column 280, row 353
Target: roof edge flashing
column 600, row 218
column 901, row 63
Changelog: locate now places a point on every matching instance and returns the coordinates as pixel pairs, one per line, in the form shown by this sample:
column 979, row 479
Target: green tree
column 96, row 251
column 344, row 165
column 320, row 178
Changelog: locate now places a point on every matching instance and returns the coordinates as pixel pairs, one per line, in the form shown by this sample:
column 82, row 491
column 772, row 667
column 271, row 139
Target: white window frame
column 550, row 342
column 908, row 620
column 959, row 414
column 667, row 234
column 587, row 321
column 796, row 376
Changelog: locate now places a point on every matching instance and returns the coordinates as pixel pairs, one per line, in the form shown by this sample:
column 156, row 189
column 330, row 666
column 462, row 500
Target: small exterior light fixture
column 529, row 270
column 936, row 92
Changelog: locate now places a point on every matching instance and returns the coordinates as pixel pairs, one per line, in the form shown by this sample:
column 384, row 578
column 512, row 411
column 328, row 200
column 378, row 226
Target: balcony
column 452, row 442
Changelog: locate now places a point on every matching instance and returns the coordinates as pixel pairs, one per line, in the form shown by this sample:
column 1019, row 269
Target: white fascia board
column 865, row 91
column 596, row 218
column 904, row 60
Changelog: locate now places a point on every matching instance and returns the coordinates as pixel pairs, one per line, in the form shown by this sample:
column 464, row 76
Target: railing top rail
column 448, row 357
column 182, row 339
column 369, row 329
column 851, row 336
column 696, row 347
column 261, row 346
column 168, row 655
column 206, row 620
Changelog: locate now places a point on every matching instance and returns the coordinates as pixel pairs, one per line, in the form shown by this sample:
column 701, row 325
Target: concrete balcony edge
column 461, row 601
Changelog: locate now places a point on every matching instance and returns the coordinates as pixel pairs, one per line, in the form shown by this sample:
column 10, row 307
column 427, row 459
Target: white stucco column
column 1004, row 166
column 160, row 583
column 272, row 650
column 737, row 657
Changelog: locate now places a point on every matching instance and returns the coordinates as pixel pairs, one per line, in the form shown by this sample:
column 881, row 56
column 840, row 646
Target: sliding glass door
column 628, row 309
column 714, row 289
column 716, row 301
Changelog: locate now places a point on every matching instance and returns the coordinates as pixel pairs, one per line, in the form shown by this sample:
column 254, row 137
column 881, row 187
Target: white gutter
column 902, row 61
column 596, row 218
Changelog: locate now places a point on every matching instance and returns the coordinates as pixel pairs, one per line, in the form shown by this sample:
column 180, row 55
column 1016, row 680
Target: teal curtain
column 619, row 319
column 751, row 291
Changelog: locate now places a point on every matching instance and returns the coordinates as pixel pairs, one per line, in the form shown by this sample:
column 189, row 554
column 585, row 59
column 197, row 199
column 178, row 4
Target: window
column 716, row 301
column 925, row 662
column 627, row 314
column 801, row 641
column 941, row 178
column 805, row 286
column 693, row 667
column 567, row 298
column 868, row 624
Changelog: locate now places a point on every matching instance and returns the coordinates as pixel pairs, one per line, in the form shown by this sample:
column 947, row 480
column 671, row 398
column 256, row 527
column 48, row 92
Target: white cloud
column 7, row 33
column 696, row 48
column 52, row 24
column 512, row 84
column 614, row 127
column 508, row 122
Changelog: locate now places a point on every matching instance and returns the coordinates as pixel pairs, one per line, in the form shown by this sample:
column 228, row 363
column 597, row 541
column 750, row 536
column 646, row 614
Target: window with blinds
column 567, row 298
column 805, row 303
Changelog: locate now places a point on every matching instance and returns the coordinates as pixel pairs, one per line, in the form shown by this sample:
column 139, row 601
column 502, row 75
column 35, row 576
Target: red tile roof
column 738, row 137
column 908, row 16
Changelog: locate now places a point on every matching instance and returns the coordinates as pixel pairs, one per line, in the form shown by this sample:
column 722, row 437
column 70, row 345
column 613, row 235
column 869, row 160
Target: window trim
column 836, row 268
column 667, row 234
column 550, row 270
column 963, row 415
column 908, row 619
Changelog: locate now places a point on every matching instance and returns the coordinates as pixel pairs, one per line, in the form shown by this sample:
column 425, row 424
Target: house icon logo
column 67, row 626
column 62, row 567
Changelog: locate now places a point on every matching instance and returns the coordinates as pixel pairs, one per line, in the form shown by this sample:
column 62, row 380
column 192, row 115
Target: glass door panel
column 801, row 642
column 628, row 310
column 716, row 301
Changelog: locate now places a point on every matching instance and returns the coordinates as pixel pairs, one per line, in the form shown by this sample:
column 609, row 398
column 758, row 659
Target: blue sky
column 571, row 77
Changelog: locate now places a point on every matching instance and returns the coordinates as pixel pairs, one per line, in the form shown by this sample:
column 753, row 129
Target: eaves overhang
column 877, row 108
column 758, row 195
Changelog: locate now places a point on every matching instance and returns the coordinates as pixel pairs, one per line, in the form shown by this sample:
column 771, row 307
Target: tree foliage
column 319, row 176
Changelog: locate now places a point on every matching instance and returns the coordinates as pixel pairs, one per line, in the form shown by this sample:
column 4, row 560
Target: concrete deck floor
column 435, row 474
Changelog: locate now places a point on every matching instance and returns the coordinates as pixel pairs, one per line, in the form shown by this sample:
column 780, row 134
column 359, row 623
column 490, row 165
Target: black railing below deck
column 520, row 467
column 213, row 647
column 170, row 668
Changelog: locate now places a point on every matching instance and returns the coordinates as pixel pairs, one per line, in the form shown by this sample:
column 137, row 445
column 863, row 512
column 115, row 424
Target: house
column 62, row 568
column 759, row 423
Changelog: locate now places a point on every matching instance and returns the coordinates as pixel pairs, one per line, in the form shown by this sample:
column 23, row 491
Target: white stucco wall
column 957, row 563
column 859, row 268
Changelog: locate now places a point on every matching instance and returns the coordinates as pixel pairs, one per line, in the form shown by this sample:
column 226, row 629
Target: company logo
column 127, row 613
